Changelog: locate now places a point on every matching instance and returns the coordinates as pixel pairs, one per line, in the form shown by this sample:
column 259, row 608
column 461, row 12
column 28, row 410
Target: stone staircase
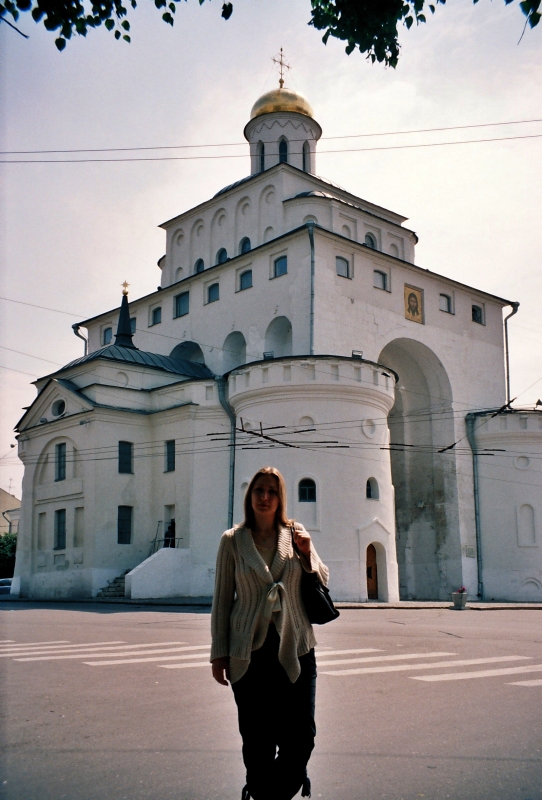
column 115, row 589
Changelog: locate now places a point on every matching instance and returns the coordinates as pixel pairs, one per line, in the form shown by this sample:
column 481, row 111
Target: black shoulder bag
column 318, row 604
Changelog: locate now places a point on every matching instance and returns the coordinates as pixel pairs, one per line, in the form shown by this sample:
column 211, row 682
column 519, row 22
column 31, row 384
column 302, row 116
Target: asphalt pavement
column 117, row 702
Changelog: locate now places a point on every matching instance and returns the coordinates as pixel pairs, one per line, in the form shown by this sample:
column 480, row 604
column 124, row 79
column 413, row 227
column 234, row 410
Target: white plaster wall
column 336, row 396
column 512, row 564
column 167, row 573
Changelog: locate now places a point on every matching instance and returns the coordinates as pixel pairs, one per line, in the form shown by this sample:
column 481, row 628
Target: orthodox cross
column 125, row 286
column 282, row 65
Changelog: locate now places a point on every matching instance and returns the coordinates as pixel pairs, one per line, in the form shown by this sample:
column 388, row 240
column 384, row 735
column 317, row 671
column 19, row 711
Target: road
column 117, row 702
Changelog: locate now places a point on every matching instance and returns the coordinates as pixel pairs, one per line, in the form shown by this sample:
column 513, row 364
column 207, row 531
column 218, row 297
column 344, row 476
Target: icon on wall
column 414, row 304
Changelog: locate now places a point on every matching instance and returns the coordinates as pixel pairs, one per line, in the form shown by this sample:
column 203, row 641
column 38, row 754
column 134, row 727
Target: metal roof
column 144, row 359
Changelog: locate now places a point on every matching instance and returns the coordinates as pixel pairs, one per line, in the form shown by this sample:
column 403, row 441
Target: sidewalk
column 371, row 604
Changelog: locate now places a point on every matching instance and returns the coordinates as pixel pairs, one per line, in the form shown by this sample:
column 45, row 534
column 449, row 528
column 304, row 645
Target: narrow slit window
column 245, row 280
column 170, row 455
column 182, row 304
column 380, row 280
column 283, row 151
column 280, row 266
column 307, row 491
column 213, row 293
column 133, row 324
column 126, row 457
column 60, row 529
column 342, row 267
column 124, row 524
column 60, row 462
column 261, row 156
column 306, row 157
column 371, row 489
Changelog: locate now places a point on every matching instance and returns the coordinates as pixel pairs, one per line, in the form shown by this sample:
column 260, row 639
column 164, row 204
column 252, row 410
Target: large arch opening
column 421, row 423
column 234, row 352
column 188, row 351
column 278, row 337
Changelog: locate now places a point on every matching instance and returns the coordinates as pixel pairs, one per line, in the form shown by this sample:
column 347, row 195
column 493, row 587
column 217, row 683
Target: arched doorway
column 372, row 573
column 421, row 423
column 188, row 351
column 234, row 351
column 278, row 337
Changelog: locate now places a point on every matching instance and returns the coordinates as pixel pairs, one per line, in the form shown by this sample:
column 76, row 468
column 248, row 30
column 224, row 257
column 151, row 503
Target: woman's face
column 265, row 497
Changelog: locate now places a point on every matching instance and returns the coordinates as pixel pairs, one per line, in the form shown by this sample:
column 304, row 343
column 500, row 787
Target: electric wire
column 243, row 144
column 242, row 155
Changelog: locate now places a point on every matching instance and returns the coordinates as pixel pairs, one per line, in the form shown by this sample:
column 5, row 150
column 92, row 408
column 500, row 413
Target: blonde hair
column 280, row 517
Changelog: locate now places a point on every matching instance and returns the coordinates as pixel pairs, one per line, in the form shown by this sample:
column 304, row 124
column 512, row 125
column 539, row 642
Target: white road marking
column 484, row 673
column 320, row 652
column 398, row 657
column 16, row 645
column 100, row 653
column 437, row 664
column 142, row 660
column 88, row 648
column 185, row 666
column 60, row 648
column 525, row 683
column 6, row 641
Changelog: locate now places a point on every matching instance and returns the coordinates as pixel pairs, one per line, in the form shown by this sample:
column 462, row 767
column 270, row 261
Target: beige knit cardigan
column 248, row 593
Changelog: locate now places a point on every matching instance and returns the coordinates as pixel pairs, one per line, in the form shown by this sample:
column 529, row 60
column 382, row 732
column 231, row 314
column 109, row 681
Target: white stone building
column 292, row 318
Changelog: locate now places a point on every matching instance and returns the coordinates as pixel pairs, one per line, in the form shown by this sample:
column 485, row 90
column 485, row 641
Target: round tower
column 282, row 129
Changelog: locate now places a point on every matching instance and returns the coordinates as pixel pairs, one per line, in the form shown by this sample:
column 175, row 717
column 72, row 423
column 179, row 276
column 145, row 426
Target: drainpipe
column 75, row 329
column 310, row 229
column 221, row 384
column 515, row 307
column 470, row 420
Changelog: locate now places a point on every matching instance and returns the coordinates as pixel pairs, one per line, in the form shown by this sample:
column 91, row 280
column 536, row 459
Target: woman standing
column 263, row 641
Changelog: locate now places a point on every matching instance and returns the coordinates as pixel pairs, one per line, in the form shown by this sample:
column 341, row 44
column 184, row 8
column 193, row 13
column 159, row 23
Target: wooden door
column 372, row 577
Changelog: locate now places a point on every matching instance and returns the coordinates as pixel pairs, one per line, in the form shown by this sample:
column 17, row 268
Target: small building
column 10, row 507
column 292, row 326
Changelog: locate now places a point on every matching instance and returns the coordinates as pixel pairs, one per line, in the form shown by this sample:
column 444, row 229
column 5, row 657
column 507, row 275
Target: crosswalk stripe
column 142, row 660
column 100, row 653
column 6, row 641
column 88, row 648
column 525, row 683
column 484, row 673
column 398, row 657
column 64, row 648
column 436, row 665
column 185, row 666
column 320, row 652
column 16, row 645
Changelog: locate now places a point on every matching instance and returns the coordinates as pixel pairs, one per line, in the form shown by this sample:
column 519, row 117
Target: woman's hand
column 221, row 670
column 303, row 541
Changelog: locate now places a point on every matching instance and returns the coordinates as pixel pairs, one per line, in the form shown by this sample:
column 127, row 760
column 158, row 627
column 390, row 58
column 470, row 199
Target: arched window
column 371, row 489
column 283, row 151
column 213, row 293
column 307, row 491
column 221, row 256
column 199, row 266
column 244, row 245
column 306, row 157
column 370, row 241
column 342, row 267
column 445, row 303
column 245, row 280
column 261, row 156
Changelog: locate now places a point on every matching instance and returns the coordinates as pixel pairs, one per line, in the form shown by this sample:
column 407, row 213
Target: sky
column 72, row 233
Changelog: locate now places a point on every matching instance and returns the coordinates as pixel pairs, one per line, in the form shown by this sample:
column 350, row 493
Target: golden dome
column 281, row 100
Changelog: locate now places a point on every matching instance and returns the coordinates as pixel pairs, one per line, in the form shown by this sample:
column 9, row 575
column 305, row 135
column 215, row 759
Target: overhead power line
column 243, row 144
column 239, row 155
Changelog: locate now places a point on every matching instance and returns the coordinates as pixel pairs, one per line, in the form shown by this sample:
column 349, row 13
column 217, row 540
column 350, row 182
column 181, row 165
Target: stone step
column 115, row 588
